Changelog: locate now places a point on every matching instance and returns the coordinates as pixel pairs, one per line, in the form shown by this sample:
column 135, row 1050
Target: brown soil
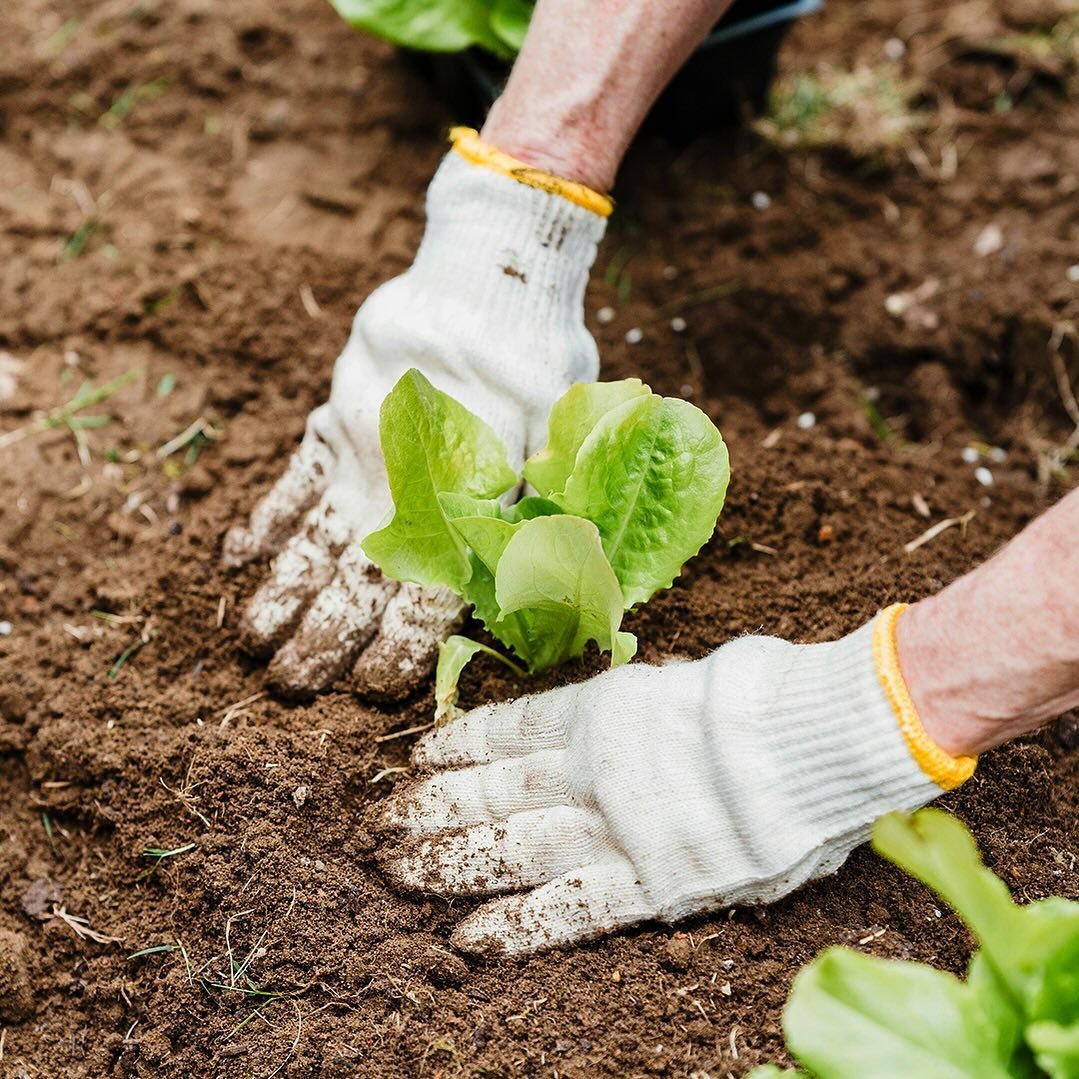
column 283, row 160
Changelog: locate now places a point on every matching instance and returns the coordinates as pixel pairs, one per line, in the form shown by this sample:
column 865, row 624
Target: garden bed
column 202, row 194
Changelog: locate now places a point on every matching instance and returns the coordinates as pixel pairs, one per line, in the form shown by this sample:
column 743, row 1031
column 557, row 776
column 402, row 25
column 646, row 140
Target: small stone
column 990, row 240
column 970, row 455
column 39, row 897
column 5, row 629
column 825, row 534
column 562, row 1045
column 725, row 989
column 670, row 273
column 1073, row 274
column 998, row 455
column 727, row 964
column 761, row 200
column 678, row 324
column 679, row 952
column 299, row 796
column 897, row 304
column 895, row 49
column 320, row 866
column 806, row 421
column 984, row 476
column 634, row 336
column 605, row 315
column 480, row 1037
column 616, row 976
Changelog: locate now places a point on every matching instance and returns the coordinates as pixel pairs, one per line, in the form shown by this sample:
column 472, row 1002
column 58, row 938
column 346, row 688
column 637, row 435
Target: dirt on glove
column 202, row 194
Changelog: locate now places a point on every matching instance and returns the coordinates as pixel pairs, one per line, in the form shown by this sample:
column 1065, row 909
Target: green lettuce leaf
column 1034, row 950
column 509, row 22
column 454, row 654
column 442, row 26
column 573, row 418
column 432, row 446
column 854, row 1016
column 1056, row 1048
column 652, row 474
column 554, row 574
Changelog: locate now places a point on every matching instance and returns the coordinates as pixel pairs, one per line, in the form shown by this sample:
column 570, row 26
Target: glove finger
column 526, row 849
column 514, row 729
column 277, row 514
column 480, row 795
column 417, row 620
column 306, row 565
column 578, row 906
column 340, row 621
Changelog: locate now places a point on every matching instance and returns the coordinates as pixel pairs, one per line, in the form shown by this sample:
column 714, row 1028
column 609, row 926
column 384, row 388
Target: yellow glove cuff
column 942, row 768
column 466, row 141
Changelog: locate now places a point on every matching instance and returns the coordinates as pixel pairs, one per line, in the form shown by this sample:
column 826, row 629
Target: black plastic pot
column 725, row 80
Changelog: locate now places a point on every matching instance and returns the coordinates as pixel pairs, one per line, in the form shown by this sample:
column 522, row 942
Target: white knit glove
column 657, row 793
column 491, row 311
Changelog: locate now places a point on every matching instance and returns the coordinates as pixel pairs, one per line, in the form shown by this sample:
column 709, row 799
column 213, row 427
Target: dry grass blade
column 935, row 530
column 81, row 927
column 239, row 708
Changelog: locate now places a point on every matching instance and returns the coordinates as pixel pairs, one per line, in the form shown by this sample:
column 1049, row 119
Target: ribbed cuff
column 486, row 232
column 839, row 717
column 466, row 142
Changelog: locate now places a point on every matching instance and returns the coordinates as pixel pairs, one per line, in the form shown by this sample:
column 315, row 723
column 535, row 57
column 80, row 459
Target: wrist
column 964, row 705
column 573, row 151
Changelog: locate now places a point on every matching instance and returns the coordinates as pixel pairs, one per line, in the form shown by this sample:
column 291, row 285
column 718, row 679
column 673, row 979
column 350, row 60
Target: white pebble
column 761, row 200
column 678, row 324
column 970, row 455
column 1073, row 274
column 897, row 304
column 5, row 629
column 989, row 241
column 984, row 476
column 806, row 421
column 998, row 455
column 605, row 315
column 634, row 336
column 895, row 49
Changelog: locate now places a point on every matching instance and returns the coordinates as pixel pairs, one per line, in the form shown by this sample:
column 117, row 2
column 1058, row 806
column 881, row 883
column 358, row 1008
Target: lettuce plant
column 629, row 487
column 853, row 1016
column 498, row 26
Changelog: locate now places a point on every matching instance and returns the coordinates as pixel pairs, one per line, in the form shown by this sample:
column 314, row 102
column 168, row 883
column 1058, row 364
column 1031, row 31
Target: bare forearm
column 996, row 654
column 586, row 77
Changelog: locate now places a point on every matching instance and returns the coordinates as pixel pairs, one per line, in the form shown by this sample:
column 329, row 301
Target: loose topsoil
column 203, row 193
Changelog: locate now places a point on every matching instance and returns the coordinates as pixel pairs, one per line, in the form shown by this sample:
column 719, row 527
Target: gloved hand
column 491, row 311
column 661, row 792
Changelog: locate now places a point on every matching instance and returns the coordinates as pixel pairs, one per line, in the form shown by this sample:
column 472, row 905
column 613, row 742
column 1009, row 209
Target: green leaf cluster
column 498, row 26
column 1016, row 1016
column 629, row 487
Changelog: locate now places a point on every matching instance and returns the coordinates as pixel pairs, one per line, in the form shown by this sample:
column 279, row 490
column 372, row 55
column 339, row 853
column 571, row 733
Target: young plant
column 853, row 1016
column 628, row 488
column 498, row 26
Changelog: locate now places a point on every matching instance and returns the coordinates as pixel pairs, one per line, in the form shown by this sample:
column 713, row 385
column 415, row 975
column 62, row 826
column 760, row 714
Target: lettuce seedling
column 499, row 26
column 1016, row 1016
column 628, row 488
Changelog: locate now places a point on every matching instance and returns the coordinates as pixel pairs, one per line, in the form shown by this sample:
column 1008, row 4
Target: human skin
column 587, row 75
column 996, row 653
